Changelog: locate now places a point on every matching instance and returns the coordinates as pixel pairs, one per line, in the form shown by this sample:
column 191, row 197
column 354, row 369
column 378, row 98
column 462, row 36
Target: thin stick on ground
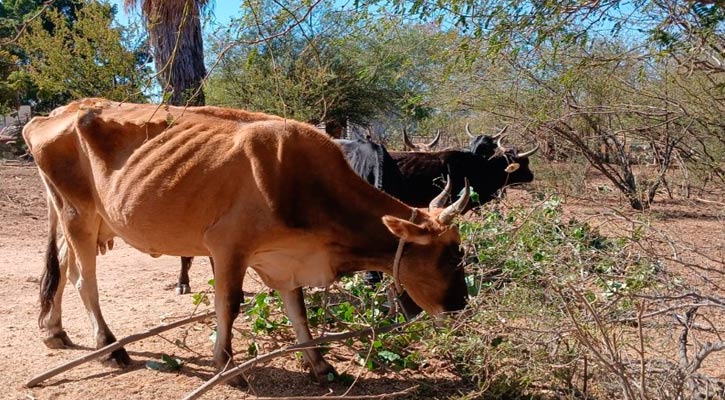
column 229, row 374
column 114, row 346
column 381, row 396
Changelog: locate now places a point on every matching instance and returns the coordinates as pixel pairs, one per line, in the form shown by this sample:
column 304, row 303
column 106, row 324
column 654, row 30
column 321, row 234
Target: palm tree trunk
column 175, row 34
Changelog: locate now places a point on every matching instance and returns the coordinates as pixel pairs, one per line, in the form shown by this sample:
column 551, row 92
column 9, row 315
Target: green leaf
column 171, row 364
column 199, row 298
column 252, row 349
column 389, row 356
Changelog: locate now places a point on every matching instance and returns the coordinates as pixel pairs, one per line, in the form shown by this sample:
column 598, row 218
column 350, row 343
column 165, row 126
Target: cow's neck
column 486, row 175
column 358, row 234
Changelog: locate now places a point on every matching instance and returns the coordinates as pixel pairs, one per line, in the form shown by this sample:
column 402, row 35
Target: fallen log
column 113, row 347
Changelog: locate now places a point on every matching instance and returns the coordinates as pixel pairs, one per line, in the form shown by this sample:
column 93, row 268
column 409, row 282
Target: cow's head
column 431, row 266
column 423, row 146
column 483, row 145
column 516, row 164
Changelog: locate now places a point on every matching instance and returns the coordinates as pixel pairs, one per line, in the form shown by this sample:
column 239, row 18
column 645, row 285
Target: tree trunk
column 175, row 35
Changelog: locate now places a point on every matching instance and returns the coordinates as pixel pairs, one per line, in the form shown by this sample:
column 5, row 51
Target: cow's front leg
column 294, row 304
column 228, row 277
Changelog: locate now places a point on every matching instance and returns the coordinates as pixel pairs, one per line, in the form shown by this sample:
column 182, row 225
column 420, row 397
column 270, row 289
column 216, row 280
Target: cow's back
column 424, row 175
column 154, row 173
column 373, row 162
column 150, row 172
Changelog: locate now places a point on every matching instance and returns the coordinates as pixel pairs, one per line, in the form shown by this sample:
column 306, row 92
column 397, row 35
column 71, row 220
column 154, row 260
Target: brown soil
column 137, row 293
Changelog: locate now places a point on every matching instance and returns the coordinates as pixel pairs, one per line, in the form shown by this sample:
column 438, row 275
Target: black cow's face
column 484, row 146
column 520, row 174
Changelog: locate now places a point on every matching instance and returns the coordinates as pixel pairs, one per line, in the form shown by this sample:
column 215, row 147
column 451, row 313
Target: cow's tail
column 51, row 274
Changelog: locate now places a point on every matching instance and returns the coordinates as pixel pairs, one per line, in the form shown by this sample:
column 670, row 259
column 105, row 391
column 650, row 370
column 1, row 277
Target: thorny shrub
column 560, row 311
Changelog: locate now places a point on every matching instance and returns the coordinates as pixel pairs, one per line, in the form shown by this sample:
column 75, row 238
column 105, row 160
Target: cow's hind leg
column 294, row 304
column 56, row 337
column 182, row 286
column 228, row 276
column 82, row 236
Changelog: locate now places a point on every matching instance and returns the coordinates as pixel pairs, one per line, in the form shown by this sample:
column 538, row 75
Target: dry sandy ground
column 136, row 294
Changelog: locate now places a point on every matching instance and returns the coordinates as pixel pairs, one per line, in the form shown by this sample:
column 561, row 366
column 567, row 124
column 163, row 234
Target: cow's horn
column 407, row 141
column 499, row 143
column 500, row 133
column 435, row 139
column 446, row 217
column 528, row 153
column 442, row 198
column 468, row 131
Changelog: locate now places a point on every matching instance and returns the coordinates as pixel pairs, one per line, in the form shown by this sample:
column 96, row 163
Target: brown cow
column 279, row 198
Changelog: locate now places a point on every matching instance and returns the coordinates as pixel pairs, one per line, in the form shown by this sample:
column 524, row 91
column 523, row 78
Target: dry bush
column 561, row 311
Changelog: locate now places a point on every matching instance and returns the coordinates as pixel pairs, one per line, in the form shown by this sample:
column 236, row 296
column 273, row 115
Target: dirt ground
column 137, row 294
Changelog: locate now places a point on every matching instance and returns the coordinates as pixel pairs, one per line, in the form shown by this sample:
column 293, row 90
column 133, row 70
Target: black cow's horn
column 528, row 153
column 407, row 141
column 468, row 131
column 442, row 198
column 500, row 133
column 499, row 143
column 435, row 139
column 456, row 208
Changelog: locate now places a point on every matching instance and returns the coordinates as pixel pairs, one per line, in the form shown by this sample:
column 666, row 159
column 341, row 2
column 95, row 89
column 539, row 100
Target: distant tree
column 79, row 57
column 288, row 78
column 597, row 76
column 332, row 70
column 174, row 28
column 15, row 87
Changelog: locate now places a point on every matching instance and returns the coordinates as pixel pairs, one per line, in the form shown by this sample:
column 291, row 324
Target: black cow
column 423, row 173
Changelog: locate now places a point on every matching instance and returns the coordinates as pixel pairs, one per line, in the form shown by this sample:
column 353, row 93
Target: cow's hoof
column 58, row 341
column 324, row 374
column 118, row 358
column 182, row 288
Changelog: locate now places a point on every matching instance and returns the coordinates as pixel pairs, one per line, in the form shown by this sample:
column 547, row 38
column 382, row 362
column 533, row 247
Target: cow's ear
column 407, row 230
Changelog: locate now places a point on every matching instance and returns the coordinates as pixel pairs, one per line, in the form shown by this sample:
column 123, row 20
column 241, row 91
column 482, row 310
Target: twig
column 114, row 346
column 348, row 397
column 229, row 374
column 641, row 306
column 708, row 201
